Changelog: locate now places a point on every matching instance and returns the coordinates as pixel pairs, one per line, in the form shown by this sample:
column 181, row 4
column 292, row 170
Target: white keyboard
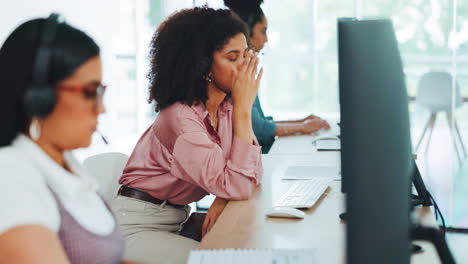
column 304, row 193
column 255, row 256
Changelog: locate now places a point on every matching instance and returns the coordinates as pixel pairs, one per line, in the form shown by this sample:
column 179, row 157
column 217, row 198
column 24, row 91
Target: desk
column 243, row 224
column 296, row 145
column 302, row 144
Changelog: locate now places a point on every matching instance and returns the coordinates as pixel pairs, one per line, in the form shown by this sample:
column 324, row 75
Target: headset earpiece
column 39, row 101
column 40, row 97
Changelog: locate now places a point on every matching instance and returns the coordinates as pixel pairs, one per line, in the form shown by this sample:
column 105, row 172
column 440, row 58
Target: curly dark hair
column 181, row 53
column 248, row 10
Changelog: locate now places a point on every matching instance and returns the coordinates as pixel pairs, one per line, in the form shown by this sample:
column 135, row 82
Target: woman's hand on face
column 213, row 213
column 246, row 82
column 312, row 125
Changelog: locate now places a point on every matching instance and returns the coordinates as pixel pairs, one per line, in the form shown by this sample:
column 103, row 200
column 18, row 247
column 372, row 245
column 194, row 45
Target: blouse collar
column 64, row 183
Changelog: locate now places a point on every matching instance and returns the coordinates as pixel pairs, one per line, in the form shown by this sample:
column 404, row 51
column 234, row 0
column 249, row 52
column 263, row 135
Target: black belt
column 141, row 195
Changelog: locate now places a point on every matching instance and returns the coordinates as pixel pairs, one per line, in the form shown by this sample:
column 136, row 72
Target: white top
column 28, row 175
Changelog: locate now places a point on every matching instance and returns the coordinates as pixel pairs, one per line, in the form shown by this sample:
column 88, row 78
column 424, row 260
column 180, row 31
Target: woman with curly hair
column 265, row 127
column 204, row 81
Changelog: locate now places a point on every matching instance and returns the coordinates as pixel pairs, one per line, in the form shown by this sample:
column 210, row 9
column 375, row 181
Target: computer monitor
column 375, row 142
column 422, row 196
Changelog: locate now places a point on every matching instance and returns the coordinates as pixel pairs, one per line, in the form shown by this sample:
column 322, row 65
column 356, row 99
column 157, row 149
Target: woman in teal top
column 265, row 128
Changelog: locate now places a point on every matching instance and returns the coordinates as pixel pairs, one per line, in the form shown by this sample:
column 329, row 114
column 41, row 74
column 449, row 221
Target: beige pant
column 151, row 231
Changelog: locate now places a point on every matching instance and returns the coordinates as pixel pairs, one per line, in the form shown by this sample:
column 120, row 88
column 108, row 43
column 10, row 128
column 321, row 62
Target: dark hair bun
column 241, row 5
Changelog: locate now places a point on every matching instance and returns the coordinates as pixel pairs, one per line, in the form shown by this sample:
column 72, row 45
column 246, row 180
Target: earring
column 35, row 129
column 208, row 78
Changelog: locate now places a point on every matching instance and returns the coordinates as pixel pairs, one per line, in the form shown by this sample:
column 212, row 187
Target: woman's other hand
column 213, row 213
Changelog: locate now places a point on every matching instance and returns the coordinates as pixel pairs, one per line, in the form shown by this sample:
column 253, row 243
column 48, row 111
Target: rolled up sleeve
column 198, row 160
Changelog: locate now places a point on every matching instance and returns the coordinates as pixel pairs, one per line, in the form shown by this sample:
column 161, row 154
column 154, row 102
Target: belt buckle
column 119, row 192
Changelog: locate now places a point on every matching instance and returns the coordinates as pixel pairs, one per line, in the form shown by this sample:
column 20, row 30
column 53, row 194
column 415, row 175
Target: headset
column 40, row 97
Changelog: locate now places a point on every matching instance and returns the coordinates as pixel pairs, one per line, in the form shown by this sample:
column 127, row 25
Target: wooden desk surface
column 243, row 224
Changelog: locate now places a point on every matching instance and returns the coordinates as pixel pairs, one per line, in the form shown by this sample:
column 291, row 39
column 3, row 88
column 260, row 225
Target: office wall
column 97, row 18
column 103, row 21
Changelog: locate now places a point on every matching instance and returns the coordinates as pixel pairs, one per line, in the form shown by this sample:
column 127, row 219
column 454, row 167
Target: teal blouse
column 263, row 126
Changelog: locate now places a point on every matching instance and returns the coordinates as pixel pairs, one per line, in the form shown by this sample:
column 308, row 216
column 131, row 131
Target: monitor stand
column 437, row 239
column 415, row 201
column 415, row 248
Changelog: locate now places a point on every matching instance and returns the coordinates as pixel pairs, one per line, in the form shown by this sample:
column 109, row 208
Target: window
column 301, row 73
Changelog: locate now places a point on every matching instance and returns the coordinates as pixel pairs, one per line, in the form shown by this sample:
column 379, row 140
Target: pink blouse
column 181, row 158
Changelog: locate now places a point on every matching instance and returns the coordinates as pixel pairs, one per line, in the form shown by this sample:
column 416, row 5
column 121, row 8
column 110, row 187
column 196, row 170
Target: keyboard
column 255, row 256
column 304, row 193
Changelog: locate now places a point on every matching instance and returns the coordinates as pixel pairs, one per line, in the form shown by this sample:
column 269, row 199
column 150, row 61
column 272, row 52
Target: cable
column 438, row 212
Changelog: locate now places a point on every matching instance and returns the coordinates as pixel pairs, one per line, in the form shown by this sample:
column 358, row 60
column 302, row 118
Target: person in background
column 265, row 127
column 50, row 82
column 204, row 81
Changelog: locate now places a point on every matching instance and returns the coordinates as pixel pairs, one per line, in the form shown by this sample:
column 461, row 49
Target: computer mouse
column 287, row 212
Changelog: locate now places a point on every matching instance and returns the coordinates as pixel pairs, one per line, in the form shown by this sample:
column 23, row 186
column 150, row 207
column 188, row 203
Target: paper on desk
column 309, row 172
column 254, row 256
column 328, row 144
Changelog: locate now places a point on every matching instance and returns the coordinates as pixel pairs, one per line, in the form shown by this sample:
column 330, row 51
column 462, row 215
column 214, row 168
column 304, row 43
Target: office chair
column 435, row 94
column 106, row 168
